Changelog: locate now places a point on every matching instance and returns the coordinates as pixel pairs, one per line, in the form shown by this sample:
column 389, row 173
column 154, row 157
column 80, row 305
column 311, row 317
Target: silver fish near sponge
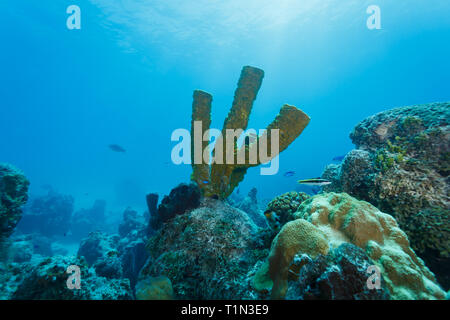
column 315, row 182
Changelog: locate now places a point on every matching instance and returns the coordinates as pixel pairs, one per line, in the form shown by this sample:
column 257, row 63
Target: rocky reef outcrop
column 133, row 225
column 133, row 253
column 280, row 210
column 13, row 195
column 49, row 215
column 339, row 275
column 325, row 222
column 88, row 220
column 118, row 256
column 206, row 252
column 220, row 178
column 402, row 165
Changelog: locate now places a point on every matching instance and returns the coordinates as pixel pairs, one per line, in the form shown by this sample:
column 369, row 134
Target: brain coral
column 345, row 219
column 340, row 218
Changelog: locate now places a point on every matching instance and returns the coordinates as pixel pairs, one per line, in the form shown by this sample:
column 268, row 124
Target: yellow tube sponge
column 290, row 122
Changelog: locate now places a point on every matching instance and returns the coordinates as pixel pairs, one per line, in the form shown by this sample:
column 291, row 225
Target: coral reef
column 280, row 210
column 100, row 252
column 401, row 165
column 206, row 253
column 339, row 275
column 295, row 236
column 340, row 218
column 154, row 288
column 182, row 198
column 13, row 195
column 97, row 246
column 12, row 275
column 152, row 204
column 47, row 280
column 131, row 247
column 221, row 177
column 133, row 225
column 85, row 221
column 20, row 251
column 133, row 256
column 49, row 215
column 118, row 256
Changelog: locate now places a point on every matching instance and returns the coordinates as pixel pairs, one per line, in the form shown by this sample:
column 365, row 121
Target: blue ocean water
column 127, row 77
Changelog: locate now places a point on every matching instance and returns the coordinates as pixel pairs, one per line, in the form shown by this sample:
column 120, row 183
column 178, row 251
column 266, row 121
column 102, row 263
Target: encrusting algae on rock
column 154, row 288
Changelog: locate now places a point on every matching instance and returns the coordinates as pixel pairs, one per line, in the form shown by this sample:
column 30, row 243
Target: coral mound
column 49, row 215
column 333, row 219
column 345, row 219
column 205, row 253
column 220, row 177
column 339, row 275
column 402, row 165
column 13, row 195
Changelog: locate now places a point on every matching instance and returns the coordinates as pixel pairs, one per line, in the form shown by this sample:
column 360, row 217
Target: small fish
column 116, row 148
column 339, row 158
column 289, row 173
column 315, row 182
column 205, row 181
